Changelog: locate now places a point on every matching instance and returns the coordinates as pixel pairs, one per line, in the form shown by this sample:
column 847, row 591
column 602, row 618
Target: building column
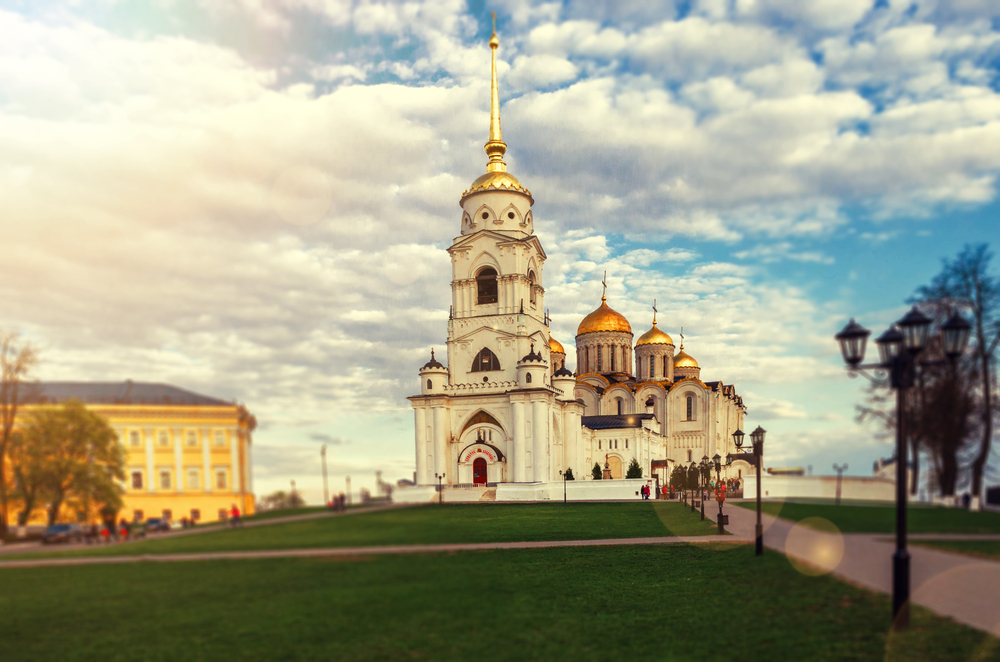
column 206, row 460
column 178, row 460
column 420, row 425
column 440, row 444
column 518, row 454
column 234, row 454
column 150, row 466
column 248, row 464
column 539, row 433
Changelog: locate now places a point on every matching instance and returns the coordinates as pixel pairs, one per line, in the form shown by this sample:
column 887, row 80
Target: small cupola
column 531, row 370
column 650, row 403
column 565, row 381
column 433, row 377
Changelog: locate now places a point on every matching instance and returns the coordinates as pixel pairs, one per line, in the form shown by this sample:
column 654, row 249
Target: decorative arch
column 467, row 220
column 485, row 361
column 485, row 213
column 487, row 288
column 505, row 215
column 527, row 219
column 481, row 417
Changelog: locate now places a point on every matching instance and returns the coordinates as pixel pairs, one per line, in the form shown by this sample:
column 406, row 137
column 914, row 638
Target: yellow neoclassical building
column 187, row 455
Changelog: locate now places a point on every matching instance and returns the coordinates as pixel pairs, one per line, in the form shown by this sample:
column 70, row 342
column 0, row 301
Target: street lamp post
column 757, row 439
column 909, row 333
column 326, row 491
column 440, row 477
column 703, row 483
column 692, row 469
column 840, row 469
column 564, row 476
column 720, row 490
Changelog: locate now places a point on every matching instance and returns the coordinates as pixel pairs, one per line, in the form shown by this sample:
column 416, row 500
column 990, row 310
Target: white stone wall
column 819, row 487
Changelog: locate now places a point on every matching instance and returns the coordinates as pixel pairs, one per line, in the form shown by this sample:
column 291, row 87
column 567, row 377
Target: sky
column 252, row 199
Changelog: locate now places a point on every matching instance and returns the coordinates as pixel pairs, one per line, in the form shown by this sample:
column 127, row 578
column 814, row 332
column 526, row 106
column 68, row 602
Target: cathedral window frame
column 487, row 286
column 485, row 361
column 532, row 290
column 599, row 357
column 692, row 410
column 666, row 370
column 652, row 367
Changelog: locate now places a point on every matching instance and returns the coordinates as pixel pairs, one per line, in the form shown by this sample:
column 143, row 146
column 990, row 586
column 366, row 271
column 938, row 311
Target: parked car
column 154, row 524
column 62, row 533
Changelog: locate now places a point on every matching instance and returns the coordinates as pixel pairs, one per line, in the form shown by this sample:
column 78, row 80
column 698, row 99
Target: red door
column 479, row 471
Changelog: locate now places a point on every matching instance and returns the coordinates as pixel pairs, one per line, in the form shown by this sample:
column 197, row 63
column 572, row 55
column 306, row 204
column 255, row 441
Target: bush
column 634, row 470
column 596, row 471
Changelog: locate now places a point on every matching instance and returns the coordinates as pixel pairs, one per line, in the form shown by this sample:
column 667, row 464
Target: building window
column 652, row 368
column 626, row 444
column 195, row 514
column 192, row 438
column 689, row 456
column 598, row 444
column 531, row 285
column 193, row 479
column 220, row 438
column 165, row 479
column 168, row 514
column 690, row 408
column 134, row 439
column 599, row 357
column 486, row 286
column 616, row 444
column 163, row 438
column 619, row 402
column 665, row 371
column 137, row 515
column 430, row 385
column 485, row 360
column 136, row 480
column 527, row 378
column 614, row 350
column 220, row 479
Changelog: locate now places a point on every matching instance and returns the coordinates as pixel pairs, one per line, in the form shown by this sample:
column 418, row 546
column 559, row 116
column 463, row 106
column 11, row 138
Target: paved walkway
column 962, row 587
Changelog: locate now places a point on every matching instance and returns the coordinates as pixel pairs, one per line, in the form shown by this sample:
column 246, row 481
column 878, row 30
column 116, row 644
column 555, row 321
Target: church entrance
column 615, row 466
column 479, row 471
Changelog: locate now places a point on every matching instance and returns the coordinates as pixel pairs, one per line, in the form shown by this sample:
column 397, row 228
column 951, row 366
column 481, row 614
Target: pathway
column 962, row 587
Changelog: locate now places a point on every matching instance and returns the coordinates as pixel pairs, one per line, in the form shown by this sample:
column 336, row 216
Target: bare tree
column 16, row 362
column 966, row 284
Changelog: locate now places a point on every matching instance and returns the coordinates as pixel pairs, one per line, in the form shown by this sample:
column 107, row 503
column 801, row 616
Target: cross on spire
column 682, row 338
column 547, row 317
column 604, row 282
column 654, row 312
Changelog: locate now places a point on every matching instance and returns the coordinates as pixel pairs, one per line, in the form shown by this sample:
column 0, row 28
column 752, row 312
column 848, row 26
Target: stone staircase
column 489, row 495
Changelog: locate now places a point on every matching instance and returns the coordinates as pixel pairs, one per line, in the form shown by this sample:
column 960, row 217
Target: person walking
column 234, row 516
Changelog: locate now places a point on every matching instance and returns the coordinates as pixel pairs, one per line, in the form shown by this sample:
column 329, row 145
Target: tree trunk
column 54, row 510
column 979, row 464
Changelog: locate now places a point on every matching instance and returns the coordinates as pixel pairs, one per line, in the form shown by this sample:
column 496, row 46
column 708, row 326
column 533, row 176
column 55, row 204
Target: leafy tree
column 280, row 500
column 569, row 474
column 596, row 472
column 634, row 470
column 16, row 362
column 678, row 477
column 71, row 456
column 966, row 284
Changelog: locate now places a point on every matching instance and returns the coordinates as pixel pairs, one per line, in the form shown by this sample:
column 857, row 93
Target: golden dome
column 555, row 346
column 498, row 181
column 604, row 319
column 654, row 337
column 684, row 360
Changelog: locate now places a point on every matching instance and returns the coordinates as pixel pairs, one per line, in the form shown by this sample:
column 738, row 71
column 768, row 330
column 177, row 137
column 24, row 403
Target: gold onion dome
column 555, row 346
column 654, row 337
column 604, row 319
column 684, row 360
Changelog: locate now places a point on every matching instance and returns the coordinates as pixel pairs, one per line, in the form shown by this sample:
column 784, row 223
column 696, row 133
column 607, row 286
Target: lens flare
column 814, row 546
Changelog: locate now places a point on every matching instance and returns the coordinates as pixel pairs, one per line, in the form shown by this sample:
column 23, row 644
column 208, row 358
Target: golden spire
column 495, row 147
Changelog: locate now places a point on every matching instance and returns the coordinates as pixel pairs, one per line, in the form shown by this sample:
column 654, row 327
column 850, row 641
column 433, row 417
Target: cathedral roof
column 496, row 181
column 119, row 393
column 563, row 372
column 556, row 346
column 604, row 319
column 532, row 356
column 433, row 363
column 654, row 337
column 614, row 422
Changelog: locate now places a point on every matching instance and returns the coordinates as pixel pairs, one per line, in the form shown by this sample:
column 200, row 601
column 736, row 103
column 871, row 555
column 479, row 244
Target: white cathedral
column 505, row 411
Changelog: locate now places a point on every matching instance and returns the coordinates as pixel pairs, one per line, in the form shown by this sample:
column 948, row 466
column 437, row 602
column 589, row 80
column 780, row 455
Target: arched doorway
column 479, row 471
column 615, row 466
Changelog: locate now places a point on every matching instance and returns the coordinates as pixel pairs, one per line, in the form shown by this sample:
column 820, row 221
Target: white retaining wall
column 576, row 490
column 820, row 487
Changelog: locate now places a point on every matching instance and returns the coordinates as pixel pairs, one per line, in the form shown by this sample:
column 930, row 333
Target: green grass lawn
column 882, row 518
column 432, row 524
column 985, row 549
column 657, row 602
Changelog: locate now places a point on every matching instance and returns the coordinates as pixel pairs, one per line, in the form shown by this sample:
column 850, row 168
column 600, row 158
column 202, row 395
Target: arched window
column 665, row 364
column 599, row 357
column 430, row 385
column 689, row 456
column 486, row 286
column 531, row 286
column 527, row 378
column 690, row 408
column 619, row 401
column 598, row 444
column 485, row 360
column 614, row 351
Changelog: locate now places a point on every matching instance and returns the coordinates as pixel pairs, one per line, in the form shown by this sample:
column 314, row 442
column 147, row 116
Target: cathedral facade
column 504, row 409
